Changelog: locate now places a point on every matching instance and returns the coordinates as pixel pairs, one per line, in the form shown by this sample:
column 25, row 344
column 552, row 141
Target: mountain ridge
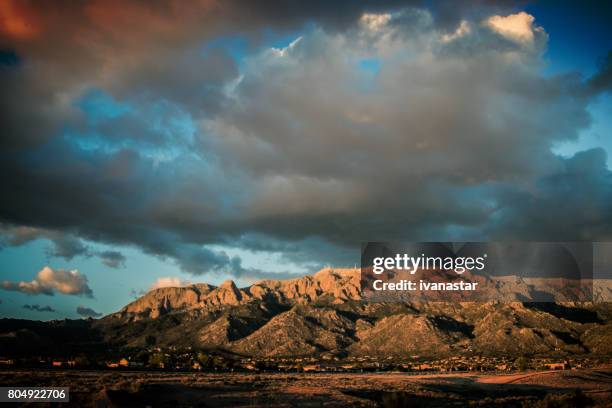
column 327, row 314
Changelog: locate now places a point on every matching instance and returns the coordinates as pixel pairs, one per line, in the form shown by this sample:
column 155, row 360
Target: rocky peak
column 230, row 285
column 229, row 294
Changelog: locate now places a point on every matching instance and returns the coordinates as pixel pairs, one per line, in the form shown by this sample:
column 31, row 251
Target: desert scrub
column 128, row 385
column 565, row 400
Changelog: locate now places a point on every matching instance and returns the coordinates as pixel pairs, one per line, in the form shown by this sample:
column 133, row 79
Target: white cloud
column 516, row 27
column 463, row 29
column 49, row 281
column 375, row 22
column 169, row 282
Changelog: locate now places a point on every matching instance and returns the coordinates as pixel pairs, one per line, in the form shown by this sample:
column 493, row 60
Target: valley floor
column 592, row 387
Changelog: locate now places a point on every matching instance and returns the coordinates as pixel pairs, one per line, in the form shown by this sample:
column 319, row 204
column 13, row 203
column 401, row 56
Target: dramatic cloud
column 366, row 156
column 39, row 308
column 49, row 281
column 379, row 121
column 94, row 43
column 87, row 312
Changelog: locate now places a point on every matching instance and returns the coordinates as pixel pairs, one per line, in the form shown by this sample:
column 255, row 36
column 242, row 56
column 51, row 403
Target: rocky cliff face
column 335, row 285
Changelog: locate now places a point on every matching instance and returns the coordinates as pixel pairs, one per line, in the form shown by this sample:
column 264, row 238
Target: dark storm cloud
column 574, row 203
column 198, row 260
column 112, row 259
column 63, row 245
column 39, row 308
column 67, row 247
column 296, row 151
column 87, row 312
column 143, row 49
column 602, row 80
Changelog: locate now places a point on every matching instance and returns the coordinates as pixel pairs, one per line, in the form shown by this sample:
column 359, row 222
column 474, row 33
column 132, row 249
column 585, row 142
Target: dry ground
column 139, row 389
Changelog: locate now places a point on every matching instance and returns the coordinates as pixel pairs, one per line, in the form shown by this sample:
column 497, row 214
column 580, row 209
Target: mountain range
column 327, row 313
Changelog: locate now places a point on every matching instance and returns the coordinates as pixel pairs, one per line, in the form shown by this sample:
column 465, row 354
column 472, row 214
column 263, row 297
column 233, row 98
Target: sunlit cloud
column 169, row 282
column 49, row 282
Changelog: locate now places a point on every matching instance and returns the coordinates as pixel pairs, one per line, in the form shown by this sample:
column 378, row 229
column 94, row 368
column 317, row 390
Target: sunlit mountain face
column 146, row 145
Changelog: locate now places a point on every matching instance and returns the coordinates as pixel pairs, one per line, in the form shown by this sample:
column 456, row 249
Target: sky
column 148, row 144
